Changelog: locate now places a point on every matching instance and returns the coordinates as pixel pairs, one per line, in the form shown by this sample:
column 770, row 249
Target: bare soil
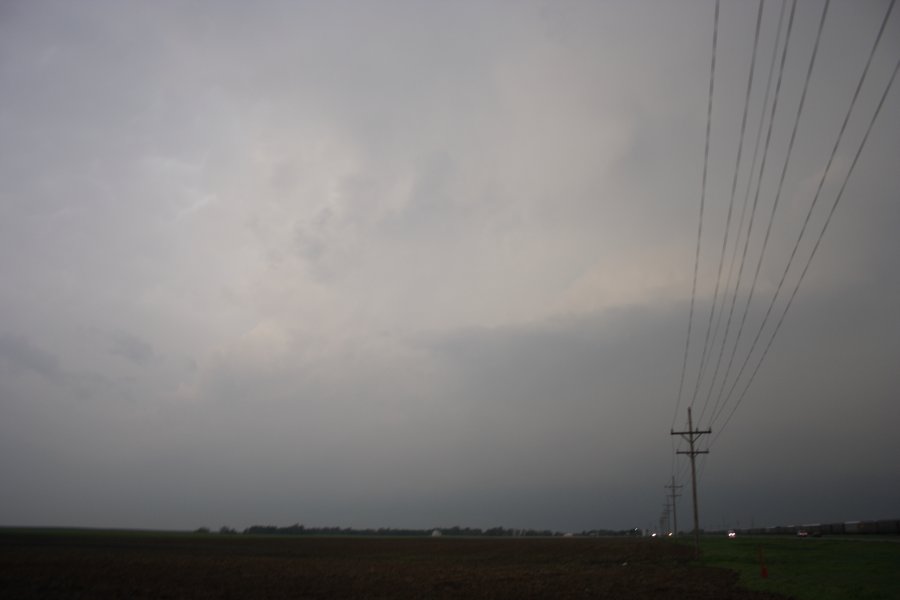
column 100, row 566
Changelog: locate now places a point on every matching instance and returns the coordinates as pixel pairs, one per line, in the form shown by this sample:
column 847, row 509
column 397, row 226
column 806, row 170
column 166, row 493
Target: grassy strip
column 811, row 568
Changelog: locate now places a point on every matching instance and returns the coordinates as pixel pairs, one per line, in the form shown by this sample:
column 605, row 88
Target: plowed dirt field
column 99, row 566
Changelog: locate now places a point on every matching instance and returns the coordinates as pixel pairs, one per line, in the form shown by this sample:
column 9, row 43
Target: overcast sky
column 416, row 264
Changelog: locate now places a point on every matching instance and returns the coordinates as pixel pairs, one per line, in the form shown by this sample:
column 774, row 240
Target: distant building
column 436, row 533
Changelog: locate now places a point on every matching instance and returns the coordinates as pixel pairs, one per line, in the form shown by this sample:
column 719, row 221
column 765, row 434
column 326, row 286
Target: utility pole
column 674, row 495
column 668, row 519
column 692, row 435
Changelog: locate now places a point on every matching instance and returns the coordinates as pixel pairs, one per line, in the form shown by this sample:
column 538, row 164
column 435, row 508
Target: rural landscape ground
column 115, row 565
column 103, row 564
column 144, row 566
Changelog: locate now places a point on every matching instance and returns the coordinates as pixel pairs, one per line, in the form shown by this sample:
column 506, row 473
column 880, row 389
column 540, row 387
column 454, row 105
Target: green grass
column 812, row 568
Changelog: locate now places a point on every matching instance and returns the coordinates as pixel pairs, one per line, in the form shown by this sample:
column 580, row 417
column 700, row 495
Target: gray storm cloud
column 416, row 264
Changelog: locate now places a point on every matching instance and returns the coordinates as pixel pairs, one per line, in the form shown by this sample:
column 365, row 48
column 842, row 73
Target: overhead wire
column 734, row 181
column 712, row 79
column 814, row 203
column 738, row 280
column 775, row 203
column 800, row 106
column 762, row 170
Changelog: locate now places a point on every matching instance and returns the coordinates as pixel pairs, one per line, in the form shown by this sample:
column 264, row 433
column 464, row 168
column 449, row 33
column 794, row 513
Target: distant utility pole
column 674, row 495
column 668, row 518
column 692, row 435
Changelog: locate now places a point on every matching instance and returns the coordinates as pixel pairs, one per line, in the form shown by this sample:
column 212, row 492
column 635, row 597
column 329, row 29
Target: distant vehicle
column 732, row 533
column 802, row 533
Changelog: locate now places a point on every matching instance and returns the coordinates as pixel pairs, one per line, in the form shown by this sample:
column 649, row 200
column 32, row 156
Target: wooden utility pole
column 692, row 435
column 664, row 519
column 674, row 495
column 668, row 509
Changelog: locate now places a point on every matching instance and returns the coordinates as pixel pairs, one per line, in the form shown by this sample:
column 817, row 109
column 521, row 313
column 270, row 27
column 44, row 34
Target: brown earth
column 99, row 566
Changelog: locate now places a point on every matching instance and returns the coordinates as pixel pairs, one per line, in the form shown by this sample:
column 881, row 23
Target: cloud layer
column 410, row 264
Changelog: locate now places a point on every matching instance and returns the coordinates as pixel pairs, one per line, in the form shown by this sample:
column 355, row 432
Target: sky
column 421, row 264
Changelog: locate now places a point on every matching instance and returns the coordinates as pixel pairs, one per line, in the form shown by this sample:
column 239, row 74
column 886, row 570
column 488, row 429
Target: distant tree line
column 635, row 532
column 298, row 529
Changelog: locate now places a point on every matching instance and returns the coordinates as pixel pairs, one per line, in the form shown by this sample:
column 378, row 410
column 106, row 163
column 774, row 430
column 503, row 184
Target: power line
column 815, row 201
column 812, row 62
column 756, row 196
column 712, row 79
column 734, row 181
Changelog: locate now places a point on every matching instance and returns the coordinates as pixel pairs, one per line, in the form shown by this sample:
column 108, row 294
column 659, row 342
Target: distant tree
column 295, row 529
column 261, row 530
column 202, row 530
column 225, row 530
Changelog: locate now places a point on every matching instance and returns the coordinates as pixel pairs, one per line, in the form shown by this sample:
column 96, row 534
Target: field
column 79, row 564
column 835, row 568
